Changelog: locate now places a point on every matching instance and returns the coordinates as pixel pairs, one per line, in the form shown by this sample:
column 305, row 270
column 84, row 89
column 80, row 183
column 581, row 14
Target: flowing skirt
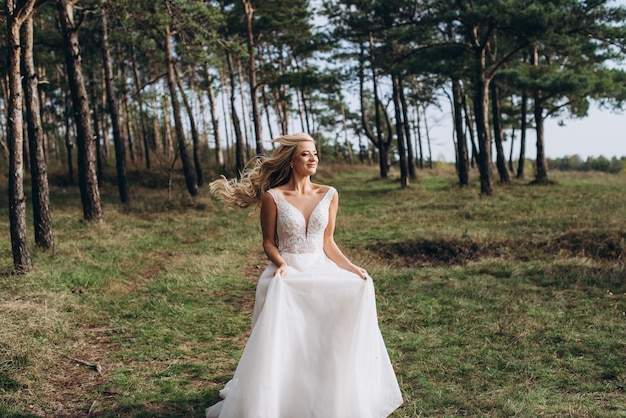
column 315, row 350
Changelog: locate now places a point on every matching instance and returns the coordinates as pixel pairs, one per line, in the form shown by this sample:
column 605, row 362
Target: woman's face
column 305, row 159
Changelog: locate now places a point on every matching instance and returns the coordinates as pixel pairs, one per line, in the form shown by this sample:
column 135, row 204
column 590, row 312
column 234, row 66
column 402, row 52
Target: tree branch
column 503, row 60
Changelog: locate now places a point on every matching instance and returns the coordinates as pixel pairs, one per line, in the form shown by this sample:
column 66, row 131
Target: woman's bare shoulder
column 268, row 198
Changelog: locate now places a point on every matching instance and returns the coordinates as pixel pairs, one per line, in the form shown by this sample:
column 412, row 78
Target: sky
column 602, row 133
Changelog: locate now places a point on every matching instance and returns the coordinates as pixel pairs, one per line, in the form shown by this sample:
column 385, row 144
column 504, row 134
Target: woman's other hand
column 359, row 271
column 281, row 271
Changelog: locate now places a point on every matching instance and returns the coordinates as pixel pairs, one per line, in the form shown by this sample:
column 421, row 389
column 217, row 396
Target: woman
column 315, row 350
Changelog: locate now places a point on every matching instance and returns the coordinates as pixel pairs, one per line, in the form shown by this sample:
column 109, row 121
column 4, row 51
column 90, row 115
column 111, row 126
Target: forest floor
column 509, row 305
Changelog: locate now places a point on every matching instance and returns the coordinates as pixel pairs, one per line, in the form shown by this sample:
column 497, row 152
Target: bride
column 315, row 350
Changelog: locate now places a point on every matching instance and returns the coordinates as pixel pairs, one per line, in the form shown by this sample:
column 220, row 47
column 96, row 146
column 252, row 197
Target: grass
column 513, row 305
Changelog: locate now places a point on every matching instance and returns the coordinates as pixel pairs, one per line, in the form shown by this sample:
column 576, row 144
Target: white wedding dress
column 315, row 350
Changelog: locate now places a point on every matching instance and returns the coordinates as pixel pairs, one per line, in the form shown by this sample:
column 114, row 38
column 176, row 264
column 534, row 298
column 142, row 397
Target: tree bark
column 87, row 177
column 142, row 113
column 345, row 130
column 219, row 155
column 118, row 140
column 410, row 154
column 124, row 111
column 462, row 161
column 377, row 137
column 95, row 117
column 470, row 128
column 428, row 143
column 496, row 115
column 511, row 169
column 69, row 142
column 226, row 112
column 404, row 172
column 22, row 261
column 239, row 141
column 190, row 176
column 481, row 104
column 481, row 113
column 256, row 114
column 42, row 218
column 266, row 107
column 522, row 145
column 247, row 133
column 418, row 128
column 541, row 166
column 195, row 136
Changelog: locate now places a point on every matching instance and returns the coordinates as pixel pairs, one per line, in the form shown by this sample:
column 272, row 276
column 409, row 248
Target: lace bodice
column 293, row 234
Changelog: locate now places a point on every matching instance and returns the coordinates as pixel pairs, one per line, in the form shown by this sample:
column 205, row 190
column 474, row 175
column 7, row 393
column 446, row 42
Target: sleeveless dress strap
column 272, row 192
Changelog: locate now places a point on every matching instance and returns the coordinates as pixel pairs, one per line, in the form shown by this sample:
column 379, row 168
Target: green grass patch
column 512, row 305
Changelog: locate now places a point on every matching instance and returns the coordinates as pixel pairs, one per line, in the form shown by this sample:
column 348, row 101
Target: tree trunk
column 25, row 147
column 167, row 143
column 404, row 172
column 470, row 128
column 104, row 126
column 481, row 114
column 256, row 114
column 219, row 155
column 124, row 111
column 428, row 144
column 383, row 146
column 118, row 140
column 345, row 130
column 158, row 135
column 522, row 145
column 376, row 138
column 95, row 117
column 496, row 115
column 17, row 205
column 142, row 113
column 541, row 166
column 410, row 154
column 190, row 176
column 418, row 128
column 226, row 112
column 511, row 150
column 69, row 143
column 304, row 117
column 239, row 145
column 481, row 104
column 87, row 177
column 42, row 217
column 195, row 136
column 266, row 107
column 244, row 112
column 462, row 161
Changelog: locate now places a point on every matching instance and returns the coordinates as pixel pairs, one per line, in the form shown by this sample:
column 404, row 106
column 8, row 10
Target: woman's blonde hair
column 260, row 174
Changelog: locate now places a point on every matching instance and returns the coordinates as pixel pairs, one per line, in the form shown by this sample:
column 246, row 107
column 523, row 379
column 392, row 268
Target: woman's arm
column 268, row 227
column 330, row 247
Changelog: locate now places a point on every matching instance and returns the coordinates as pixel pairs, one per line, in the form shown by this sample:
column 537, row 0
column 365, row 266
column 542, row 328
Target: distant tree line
column 198, row 85
column 576, row 163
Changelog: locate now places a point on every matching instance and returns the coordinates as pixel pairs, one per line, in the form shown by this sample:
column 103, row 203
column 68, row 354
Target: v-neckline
column 306, row 220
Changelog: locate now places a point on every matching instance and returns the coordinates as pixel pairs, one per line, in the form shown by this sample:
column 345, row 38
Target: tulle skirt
column 315, row 350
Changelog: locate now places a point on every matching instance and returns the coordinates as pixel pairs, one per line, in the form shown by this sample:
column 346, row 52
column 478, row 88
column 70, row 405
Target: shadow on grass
column 192, row 405
column 10, row 413
column 596, row 245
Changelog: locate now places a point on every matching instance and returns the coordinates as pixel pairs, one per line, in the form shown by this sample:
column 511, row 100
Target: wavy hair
column 260, row 174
